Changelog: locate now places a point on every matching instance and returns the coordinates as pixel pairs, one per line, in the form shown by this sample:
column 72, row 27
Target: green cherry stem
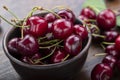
column 94, row 8
column 108, row 43
column 66, row 57
column 100, row 54
column 38, row 60
column 10, row 12
column 49, row 42
column 97, row 35
column 46, row 47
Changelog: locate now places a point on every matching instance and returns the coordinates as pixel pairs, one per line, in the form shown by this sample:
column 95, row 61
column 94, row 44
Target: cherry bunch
column 49, row 38
column 102, row 27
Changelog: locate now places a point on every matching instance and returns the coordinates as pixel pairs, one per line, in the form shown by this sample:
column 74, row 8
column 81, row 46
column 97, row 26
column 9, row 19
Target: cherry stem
column 66, row 57
column 102, row 46
column 60, row 7
column 10, row 22
column 100, row 54
column 108, row 43
column 97, row 35
column 10, row 12
column 51, row 45
column 92, row 20
column 38, row 60
column 52, row 12
column 94, row 8
column 48, row 42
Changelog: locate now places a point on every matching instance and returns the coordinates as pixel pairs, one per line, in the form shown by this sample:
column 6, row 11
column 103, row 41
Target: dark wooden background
column 21, row 8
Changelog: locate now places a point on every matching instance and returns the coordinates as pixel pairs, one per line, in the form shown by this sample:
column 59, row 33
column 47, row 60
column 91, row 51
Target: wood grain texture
column 21, row 8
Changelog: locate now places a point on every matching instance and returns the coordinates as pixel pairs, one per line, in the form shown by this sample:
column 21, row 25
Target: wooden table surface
column 20, row 8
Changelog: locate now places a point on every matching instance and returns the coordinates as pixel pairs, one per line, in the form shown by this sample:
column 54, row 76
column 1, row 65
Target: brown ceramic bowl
column 65, row 70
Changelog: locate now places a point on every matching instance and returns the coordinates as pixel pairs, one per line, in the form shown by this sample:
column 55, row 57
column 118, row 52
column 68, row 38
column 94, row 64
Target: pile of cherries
column 50, row 38
column 105, row 33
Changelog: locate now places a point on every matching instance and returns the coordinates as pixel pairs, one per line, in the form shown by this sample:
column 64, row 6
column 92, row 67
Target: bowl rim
column 46, row 66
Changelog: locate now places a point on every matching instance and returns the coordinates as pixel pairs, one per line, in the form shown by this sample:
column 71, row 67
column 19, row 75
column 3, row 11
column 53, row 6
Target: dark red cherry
column 106, row 19
column 12, row 46
column 39, row 27
column 32, row 20
column 101, row 71
column 73, row 44
column 111, row 50
column 110, row 36
column 110, row 60
column 50, row 17
column 28, row 46
column 62, row 28
column 67, row 14
column 88, row 12
column 117, row 43
column 58, row 56
column 81, row 31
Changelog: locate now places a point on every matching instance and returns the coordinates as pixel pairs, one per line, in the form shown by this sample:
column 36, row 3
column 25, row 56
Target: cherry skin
column 110, row 36
column 81, row 31
column 88, row 13
column 58, row 56
column 38, row 26
column 28, row 46
column 110, row 60
column 62, row 28
column 50, row 17
column 111, row 50
column 117, row 43
column 12, row 46
column 67, row 14
column 73, row 44
column 106, row 20
column 101, row 71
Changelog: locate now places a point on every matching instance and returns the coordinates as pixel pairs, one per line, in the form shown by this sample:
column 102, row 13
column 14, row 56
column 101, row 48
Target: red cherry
column 88, row 13
column 110, row 60
column 50, row 17
column 28, row 46
column 73, row 44
column 58, row 56
column 101, row 72
column 67, row 14
column 106, row 19
column 117, row 43
column 62, row 28
column 81, row 31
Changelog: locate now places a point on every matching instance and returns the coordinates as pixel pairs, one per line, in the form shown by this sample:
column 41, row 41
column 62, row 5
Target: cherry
column 12, row 46
column 67, row 14
column 111, row 50
column 117, row 43
column 28, row 46
column 26, row 59
column 110, row 36
column 38, row 26
column 101, row 71
column 73, row 44
column 36, row 56
column 110, row 60
column 50, row 17
column 81, row 31
column 106, row 19
column 62, row 28
column 88, row 13
column 58, row 56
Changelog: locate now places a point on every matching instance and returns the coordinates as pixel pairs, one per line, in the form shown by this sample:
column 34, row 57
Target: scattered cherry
column 106, row 19
column 110, row 36
column 101, row 71
column 110, row 60
column 117, row 43
column 88, row 13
